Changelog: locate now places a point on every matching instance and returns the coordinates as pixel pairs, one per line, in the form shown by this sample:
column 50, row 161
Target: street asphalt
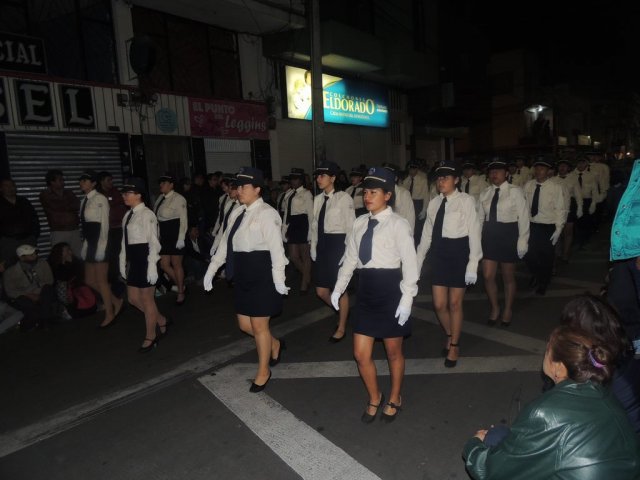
column 80, row 403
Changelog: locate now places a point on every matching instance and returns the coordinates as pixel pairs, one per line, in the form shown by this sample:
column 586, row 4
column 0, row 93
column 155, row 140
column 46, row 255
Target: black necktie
column 84, row 205
column 126, row 234
column 288, row 213
column 536, row 200
column 226, row 218
column 280, row 202
column 323, row 210
column 580, row 179
column 162, row 199
column 353, row 192
column 436, row 236
column 493, row 210
column 510, row 179
column 411, row 186
column 466, row 187
column 366, row 244
column 234, row 228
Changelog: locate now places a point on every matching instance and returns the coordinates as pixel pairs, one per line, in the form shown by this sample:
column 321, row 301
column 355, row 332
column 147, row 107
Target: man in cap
column 472, row 183
column 355, row 190
column 588, row 185
column 418, row 186
column 573, row 202
column 29, row 286
column 514, row 178
column 401, row 202
column 548, row 212
column 285, row 189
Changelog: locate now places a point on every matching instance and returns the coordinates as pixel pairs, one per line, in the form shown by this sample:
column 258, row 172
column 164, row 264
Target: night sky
column 589, row 43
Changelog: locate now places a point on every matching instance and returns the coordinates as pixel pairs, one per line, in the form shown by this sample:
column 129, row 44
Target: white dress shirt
column 96, row 210
column 403, row 206
column 552, row 205
column 339, row 215
column 259, row 231
column 477, row 185
column 174, row 207
column 357, row 194
column 512, row 207
column 142, row 228
column 420, row 189
column 572, row 190
column 518, row 180
column 392, row 247
column 525, row 172
column 460, row 220
column 223, row 204
column 301, row 204
column 603, row 177
column 589, row 187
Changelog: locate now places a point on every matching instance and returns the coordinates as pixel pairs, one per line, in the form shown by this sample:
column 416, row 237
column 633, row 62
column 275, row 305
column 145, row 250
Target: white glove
column 335, row 299
column 402, row 314
column 180, row 244
column 556, row 236
column 99, row 257
column 470, row 278
column 579, row 213
column 152, row 273
column 207, row 282
column 423, row 215
column 282, row 289
column 592, row 207
column 312, row 253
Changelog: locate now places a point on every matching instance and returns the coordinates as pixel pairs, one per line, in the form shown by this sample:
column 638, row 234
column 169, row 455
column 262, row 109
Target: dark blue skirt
column 329, row 251
column 91, row 234
column 377, row 301
column 573, row 211
column 449, row 258
column 298, row 230
column 500, row 241
column 137, row 263
column 255, row 293
column 169, row 231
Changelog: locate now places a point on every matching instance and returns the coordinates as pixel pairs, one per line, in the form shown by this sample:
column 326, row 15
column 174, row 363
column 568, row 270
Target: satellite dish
column 142, row 54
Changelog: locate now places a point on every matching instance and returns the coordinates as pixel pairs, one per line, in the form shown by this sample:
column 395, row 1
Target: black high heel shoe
column 275, row 361
column 451, row 363
column 163, row 333
column 445, row 351
column 491, row 322
column 255, row 388
column 385, row 417
column 366, row 418
column 151, row 346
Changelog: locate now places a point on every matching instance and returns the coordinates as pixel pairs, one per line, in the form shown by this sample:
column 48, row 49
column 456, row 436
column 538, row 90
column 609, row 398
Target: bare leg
column 325, row 295
column 510, row 287
column 176, row 264
column 305, row 255
column 395, row 358
column 165, row 264
column 363, row 353
column 455, row 314
column 441, row 306
column 263, row 338
column 294, row 256
column 489, row 269
column 244, row 323
column 568, row 240
column 152, row 316
column 133, row 294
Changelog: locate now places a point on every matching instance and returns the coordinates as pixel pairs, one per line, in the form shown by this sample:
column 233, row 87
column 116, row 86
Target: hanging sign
column 22, row 53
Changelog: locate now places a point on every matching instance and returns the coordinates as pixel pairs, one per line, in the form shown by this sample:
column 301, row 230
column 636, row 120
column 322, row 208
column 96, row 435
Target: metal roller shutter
column 31, row 155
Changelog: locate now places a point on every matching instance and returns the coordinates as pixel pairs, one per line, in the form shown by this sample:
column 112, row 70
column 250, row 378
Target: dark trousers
column 417, row 232
column 585, row 224
column 40, row 312
column 114, row 246
column 623, row 293
column 539, row 259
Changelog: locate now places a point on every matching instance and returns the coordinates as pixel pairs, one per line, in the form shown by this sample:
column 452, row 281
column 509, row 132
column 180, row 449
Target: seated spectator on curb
column 29, row 287
column 575, row 430
column 77, row 298
column 9, row 316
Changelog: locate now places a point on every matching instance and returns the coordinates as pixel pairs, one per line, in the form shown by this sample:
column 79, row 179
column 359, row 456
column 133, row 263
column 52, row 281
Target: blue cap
column 356, row 172
column 497, row 163
column 133, row 184
column 327, row 168
column 250, row 175
column 167, row 177
column 544, row 161
column 380, row 177
column 447, row 167
column 88, row 175
column 296, row 173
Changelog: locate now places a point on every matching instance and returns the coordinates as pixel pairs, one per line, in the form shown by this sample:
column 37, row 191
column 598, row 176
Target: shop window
column 77, row 34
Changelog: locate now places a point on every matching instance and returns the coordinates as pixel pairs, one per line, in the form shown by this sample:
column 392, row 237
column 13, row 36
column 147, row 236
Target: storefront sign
column 24, row 54
column 4, row 114
column 167, row 120
column 344, row 101
column 77, row 107
column 34, row 103
column 225, row 119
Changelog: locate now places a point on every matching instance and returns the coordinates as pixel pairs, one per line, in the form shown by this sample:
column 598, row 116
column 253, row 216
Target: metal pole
column 317, row 120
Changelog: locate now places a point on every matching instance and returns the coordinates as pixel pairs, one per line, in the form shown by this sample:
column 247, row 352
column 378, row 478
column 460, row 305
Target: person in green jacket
column 576, row 430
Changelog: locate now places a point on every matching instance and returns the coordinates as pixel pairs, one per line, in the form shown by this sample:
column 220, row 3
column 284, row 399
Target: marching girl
column 298, row 215
column 452, row 236
column 505, row 237
column 171, row 212
column 381, row 246
column 252, row 250
column 94, row 222
column 138, row 261
column 333, row 217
